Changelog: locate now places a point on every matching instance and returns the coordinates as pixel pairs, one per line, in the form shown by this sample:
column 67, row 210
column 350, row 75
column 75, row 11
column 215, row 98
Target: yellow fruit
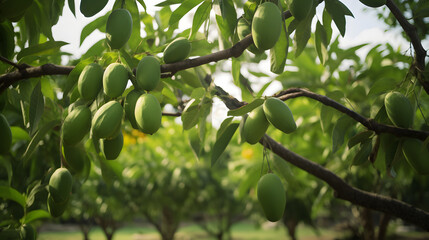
column 271, row 196
column 115, row 80
column 300, row 8
column 279, row 115
column 417, row 155
column 112, row 147
column 6, row 135
column 148, row 73
column 56, row 209
column 75, row 157
column 177, row 50
column 266, row 25
column 107, row 120
column 76, row 125
column 60, row 185
column 90, row 81
column 118, row 28
column 130, row 106
column 399, row 109
column 91, row 7
column 148, row 113
column 373, row 3
column 244, row 29
column 255, row 126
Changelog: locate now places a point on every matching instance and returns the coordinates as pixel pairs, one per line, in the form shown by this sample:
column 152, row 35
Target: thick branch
column 411, row 32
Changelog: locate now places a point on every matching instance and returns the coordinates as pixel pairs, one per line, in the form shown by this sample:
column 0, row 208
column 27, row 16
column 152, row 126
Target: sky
column 363, row 28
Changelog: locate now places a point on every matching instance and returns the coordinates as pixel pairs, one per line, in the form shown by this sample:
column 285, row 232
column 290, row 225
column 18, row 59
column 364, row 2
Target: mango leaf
column 190, row 115
column 201, row 15
column 327, row 21
column 142, row 4
column 19, row 134
column 37, row 106
column 360, row 138
column 302, row 34
column 10, row 193
column 41, row 49
column 340, row 129
column 241, row 138
column 362, row 155
column 229, row 15
column 184, row 8
column 321, row 43
column 99, row 23
column 235, row 70
column 278, row 54
column 7, row 166
column 225, row 123
column 223, row 141
column 36, row 215
column 194, row 141
column 72, row 7
column 338, row 11
column 127, row 59
column 326, row 115
column 110, row 170
column 38, row 136
column 246, row 108
column 263, row 88
column 168, row 2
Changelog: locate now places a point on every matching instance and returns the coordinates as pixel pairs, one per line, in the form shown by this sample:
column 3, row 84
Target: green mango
column 417, row 155
column 56, row 209
column 28, row 232
column 107, row 120
column 271, row 196
column 6, row 135
column 148, row 73
column 300, row 8
column 255, row 125
column 91, row 7
column 112, row 147
column 244, row 29
column 75, row 157
column 90, row 81
column 279, row 115
column 373, row 3
column 148, row 113
column 115, row 80
column 267, row 25
column 118, row 28
column 130, row 106
column 177, row 50
column 399, row 109
column 60, row 185
column 76, row 125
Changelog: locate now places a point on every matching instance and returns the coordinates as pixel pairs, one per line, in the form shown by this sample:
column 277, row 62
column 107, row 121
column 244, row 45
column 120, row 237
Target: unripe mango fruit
column 271, row 196
column 266, row 25
column 6, row 135
column 300, row 8
column 56, row 209
column 75, row 157
column 417, row 155
column 244, row 29
column 148, row 73
column 112, row 147
column 76, row 125
column 90, row 81
column 373, row 3
column 148, row 113
column 115, row 80
column 130, row 106
column 255, row 126
column 279, row 115
column 177, row 50
column 60, row 185
column 91, row 7
column 399, row 109
column 107, row 119
column 118, row 28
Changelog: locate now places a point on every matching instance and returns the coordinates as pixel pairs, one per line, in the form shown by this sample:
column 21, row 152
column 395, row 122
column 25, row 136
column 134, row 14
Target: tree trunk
column 368, row 224
column 291, row 228
column 384, row 223
column 85, row 228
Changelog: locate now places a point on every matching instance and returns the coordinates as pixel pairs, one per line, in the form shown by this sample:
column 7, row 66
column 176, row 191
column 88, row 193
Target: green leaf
column 38, row 136
column 7, row 165
column 127, row 59
column 190, row 115
column 278, row 54
column 36, row 215
column 201, row 15
column 225, row 123
column 327, row 21
column 19, row 134
column 10, row 193
column 73, row 76
column 340, row 129
column 302, row 34
column 72, row 7
column 229, row 15
column 326, row 114
column 142, row 4
column 110, row 170
column 41, row 49
column 184, row 8
column 235, row 70
column 263, row 88
column 360, row 138
column 168, row 2
column 321, row 43
column 362, row 155
column 37, row 107
column 246, row 108
column 99, row 23
column 338, row 11
column 223, row 141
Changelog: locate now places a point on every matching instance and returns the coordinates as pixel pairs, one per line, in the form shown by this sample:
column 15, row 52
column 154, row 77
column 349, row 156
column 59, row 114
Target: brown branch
column 411, row 32
column 370, row 124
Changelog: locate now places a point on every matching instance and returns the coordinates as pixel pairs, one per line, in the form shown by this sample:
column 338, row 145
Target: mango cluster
column 274, row 112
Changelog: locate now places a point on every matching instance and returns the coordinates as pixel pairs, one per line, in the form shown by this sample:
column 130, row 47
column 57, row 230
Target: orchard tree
column 57, row 116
